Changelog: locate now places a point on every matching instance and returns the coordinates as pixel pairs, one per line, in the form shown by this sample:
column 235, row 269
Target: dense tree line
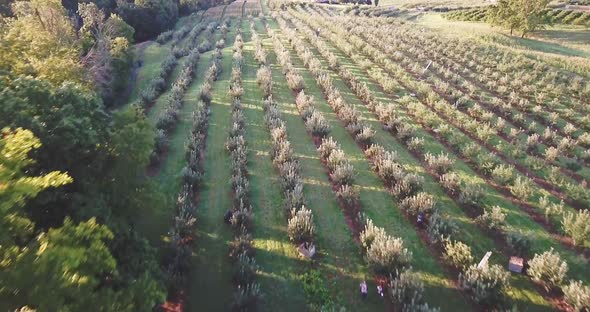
column 147, row 17
column 72, row 173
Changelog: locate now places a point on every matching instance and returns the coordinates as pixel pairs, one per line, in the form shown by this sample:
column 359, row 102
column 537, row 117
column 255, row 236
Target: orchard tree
column 521, row 15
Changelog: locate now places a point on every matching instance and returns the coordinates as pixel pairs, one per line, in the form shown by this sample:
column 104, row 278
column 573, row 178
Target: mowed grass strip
column 280, row 266
column 339, row 260
column 523, row 292
column 378, row 204
column 210, row 286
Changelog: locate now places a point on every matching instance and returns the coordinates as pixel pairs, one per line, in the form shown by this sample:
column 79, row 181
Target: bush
column 485, row 285
column 264, row 80
column 503, row 174
column 204, row 46
column 205, row 92
column 522, row 188
column 327, row 147
column 451, row 182
column 472, row 196
column 386, row 255
column 315, row 290
column 440, row 228
column 577, row 226
column 241, row 245
column 245, row 270
column 520, row 243
column 441, row 164
column 493, row 219
column 458, row 255
column 368, row 235
column 416, row 145
column 547, row 269
column 406, row 290
column 409, row 185
column 317, row 124
column 295, row 81
column 246, row 297
column 577, row 295
column 348, row 194
column 300, row 227
column 365, row 136
column 419, row 203
column 242, row 218
column 549, row 208
column 342, row 174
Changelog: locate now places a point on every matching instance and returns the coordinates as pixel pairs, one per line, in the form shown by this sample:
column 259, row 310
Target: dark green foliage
column 315, row 289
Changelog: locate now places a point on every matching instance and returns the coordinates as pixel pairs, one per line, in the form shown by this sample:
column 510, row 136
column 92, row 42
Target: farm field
column 486, row 161
column 312, row 157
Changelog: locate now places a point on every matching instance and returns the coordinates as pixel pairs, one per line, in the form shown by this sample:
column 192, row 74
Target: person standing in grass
column 364, row 290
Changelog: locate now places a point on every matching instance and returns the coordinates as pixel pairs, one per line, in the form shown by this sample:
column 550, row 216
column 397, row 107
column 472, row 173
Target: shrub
column 190, row 175
column 317, row 124
column 242, row 218
column 205, row 92
column 458, row 255
column 577, row 226
column 493, row 219
column 348, row 194
column 522, row 188
column 327, row 147
column 441, row 164
column 406, row 290
column 368, row 235
column 365, row 136
column 315, row 290
column 246, row 297
column 577, row 295
column 416, row 145
column 547, row 269
column 295, row 81
column 264, row 80
column 472, row 196
column 241, row 245
column 386, row 255
column 301, row 228
column 485, row 285
column 519, row 242
column 549, row 208
column 503, row 174
column 451, row 182
column 409, row 185
column 419, row 203
column 440, row 228
column 245, row 270
column 342, row 174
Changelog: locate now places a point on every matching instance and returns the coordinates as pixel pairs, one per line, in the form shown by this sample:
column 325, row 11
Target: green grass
column 279, row 263
column 563, row 41
column 379, row 205
column 210, row 287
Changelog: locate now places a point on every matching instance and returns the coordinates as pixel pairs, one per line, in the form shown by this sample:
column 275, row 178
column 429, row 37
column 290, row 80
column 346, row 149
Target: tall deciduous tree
column 522, row 15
